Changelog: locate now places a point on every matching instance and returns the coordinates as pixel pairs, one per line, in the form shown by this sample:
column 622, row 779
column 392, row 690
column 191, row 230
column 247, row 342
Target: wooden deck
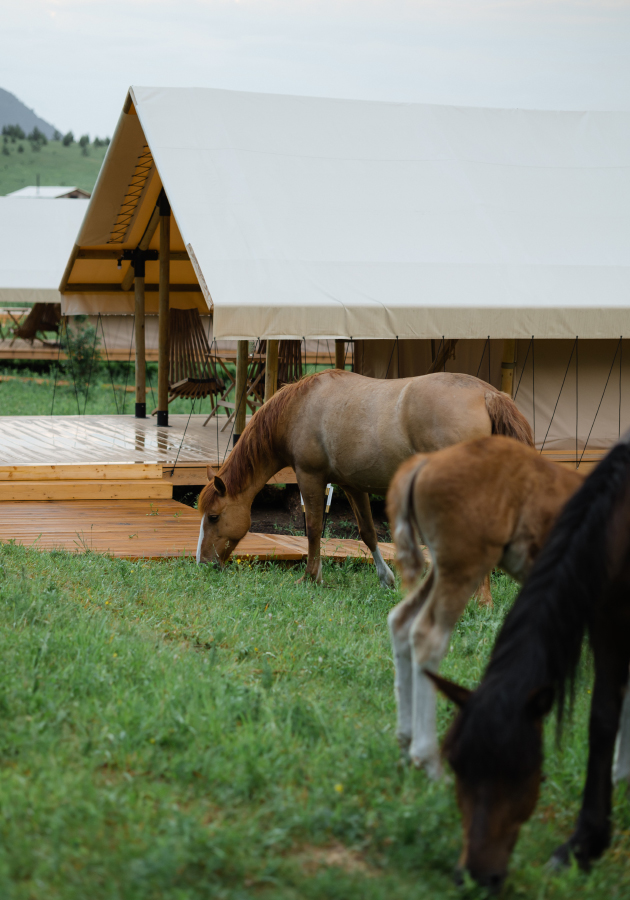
column 19, row 349
column 143, row 529
column 184, row 449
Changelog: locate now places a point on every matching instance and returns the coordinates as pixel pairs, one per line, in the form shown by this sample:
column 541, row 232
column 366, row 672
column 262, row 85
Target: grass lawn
column 54, row 163
column 176, row 732
column 23, row 396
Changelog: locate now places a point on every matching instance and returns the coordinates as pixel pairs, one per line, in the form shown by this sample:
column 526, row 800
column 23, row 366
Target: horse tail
column 406, row 530
column 507, row 419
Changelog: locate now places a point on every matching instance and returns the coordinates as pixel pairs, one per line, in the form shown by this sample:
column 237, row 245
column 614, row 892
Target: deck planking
column 184, row 449
column 55, row 440
column 142, row 529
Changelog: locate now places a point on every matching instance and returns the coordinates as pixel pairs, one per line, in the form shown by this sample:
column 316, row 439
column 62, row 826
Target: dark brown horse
column 351, row 430
column 579, row 584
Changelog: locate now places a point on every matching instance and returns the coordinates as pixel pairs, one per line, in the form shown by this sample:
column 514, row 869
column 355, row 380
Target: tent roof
column 35, row 238
column 318, row 217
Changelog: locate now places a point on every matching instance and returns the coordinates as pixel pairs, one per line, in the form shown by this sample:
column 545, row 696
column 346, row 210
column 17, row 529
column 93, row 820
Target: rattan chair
column 191, row 370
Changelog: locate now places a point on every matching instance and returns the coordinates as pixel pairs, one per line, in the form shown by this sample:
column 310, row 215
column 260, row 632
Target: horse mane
column 556, row 604
column 258, row 439
column 540, row 643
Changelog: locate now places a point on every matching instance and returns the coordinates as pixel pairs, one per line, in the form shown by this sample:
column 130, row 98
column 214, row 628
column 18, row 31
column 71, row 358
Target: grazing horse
column 355, row 431
column 579, row 584
column 481, row 504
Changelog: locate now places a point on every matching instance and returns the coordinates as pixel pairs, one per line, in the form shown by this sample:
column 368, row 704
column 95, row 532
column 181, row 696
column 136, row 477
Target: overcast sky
column 72, row 60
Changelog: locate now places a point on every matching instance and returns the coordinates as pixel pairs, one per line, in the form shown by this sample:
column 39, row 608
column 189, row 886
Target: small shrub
column 80, row 343
column 67, row 139
column 20, row 148
column 14, row 132
column 37, row 138
column 84, row 140
column 57, row 135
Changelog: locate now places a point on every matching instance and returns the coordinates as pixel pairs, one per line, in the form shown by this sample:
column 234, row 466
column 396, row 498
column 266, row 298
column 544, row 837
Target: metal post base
column 162, row 418
column 141, row 410
column 235, row 438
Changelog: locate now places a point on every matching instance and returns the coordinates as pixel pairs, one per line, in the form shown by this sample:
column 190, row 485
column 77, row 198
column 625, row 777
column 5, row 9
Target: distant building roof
column 35, row 238
column 50, row 192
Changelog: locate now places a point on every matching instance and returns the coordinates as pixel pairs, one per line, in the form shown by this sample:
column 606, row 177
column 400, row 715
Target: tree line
column 12, row 134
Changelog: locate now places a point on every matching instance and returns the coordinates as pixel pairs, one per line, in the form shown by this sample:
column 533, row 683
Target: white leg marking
column 427, row 653
column 200, row 541
column 424, row 750
column 402, row 683
column 385, row 574
column 621, row 765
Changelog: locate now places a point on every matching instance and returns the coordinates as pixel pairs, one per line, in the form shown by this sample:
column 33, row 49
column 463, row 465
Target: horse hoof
column 431, row 763
column 308, row 579
column 561, row 859
column 404, row 743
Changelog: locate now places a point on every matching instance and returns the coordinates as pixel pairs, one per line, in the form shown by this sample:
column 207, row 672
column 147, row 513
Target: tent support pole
column 340, row 354
column 508, row 365
column 240, row 398
column 271, row 369
column 141, row 373
column 163, row 333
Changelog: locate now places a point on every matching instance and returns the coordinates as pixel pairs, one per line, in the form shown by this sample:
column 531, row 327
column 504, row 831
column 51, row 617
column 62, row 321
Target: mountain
column 14, row 112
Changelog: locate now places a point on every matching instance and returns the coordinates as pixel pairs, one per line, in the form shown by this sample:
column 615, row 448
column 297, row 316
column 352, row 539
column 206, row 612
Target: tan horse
column 355, row 431
column 351, row 430
column 481, row 504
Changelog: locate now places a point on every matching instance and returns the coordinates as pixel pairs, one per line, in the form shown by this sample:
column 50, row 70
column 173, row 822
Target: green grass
column 21, row 397
column 176, row 732
column 27, row 398
column 54, row 163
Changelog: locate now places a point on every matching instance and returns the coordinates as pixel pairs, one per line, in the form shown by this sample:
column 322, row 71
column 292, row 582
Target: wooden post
column 271, row 370
column 141, row 374
column 163, row 342
column 340, row 354
column 240, row 389
column 508, row 364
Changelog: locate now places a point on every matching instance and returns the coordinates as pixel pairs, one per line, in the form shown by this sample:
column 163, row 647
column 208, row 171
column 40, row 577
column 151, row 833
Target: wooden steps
column 105, row 481
column 143, row 529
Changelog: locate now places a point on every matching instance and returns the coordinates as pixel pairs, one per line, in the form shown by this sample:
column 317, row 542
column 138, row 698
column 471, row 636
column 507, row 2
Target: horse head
column 224, row 521
column 497, row 763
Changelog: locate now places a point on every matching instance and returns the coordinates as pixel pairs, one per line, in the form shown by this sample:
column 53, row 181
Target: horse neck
column 246, row 477
column 260, row 478
column 540, row 642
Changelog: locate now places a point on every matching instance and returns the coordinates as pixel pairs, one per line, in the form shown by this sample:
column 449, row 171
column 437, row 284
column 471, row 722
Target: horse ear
column 457, row 693
column 210, row 473
column 539, row 702
column 219, row 486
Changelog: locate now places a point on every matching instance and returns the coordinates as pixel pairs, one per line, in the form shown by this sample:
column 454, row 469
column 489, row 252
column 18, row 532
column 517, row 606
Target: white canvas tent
column 34, row 238
column 329, row 218
column 304, row 217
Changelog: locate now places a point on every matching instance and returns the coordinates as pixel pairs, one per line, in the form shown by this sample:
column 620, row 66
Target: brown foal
column 484, row 503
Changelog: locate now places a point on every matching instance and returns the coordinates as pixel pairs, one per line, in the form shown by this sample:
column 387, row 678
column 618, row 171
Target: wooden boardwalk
column 184, row 449
column 144, row 529
column 117, row 439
